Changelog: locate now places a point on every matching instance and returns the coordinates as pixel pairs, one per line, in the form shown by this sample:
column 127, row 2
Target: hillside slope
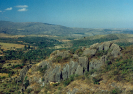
column 28, row 28
column 101, row 69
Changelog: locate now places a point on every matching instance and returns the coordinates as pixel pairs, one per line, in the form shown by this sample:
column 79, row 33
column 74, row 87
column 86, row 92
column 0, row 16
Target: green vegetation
column 96, row 80
column 79, row 52
column 101, row 53
column 39, row 48
column 116, row 91
column 26, row 82
column 87, row 42
column 35, row 49
column 56, row 84
column 124, row 44
column 42, row 70
column 60, row 59
column 69, row 80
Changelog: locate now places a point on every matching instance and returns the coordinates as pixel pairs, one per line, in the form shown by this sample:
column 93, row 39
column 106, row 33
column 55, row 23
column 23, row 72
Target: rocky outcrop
column 57, row 71
column 116, row 50
column 64, row 54
column 23, row 73
column 109, row 47
column 97, row 63
column 89, row 52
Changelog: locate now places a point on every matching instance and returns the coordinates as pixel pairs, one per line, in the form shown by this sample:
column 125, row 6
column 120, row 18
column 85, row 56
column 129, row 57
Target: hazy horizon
column 70, row 13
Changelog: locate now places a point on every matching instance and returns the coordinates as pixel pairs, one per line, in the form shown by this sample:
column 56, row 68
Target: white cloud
column 21, row 6
column 0, row 11
column 23, row 9
column 9, row 8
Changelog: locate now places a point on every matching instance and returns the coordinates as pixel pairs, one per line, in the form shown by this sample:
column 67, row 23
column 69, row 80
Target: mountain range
column 28, row 28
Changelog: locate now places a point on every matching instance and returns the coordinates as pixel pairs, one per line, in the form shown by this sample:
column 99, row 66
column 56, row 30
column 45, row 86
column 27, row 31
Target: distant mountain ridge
column 28, row 28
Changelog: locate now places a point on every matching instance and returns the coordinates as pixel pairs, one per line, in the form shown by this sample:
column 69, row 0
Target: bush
column 79, row 52
column 69, row 80
column 96, row 79
column 58, row 59
column 42, row 70
column 56, row 84
column 59, row 88
column 28, row 90
column 101, row 53
column 26, row 82
column 18, row 66
column 116, row 91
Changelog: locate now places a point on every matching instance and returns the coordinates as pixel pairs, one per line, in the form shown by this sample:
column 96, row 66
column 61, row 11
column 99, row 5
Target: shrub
column 58, row 59
column 26, row 82
column 108, row 62
column 42, row 70
column 96, row 79
column 56, row 84
column 59, row 88
column 101, row 53
column 69, row 80
column 116, row 91
column 17, row 66
column 79, row 52
column 28, row 90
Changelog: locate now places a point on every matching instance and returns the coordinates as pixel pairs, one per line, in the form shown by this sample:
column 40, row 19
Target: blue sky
column 70, row 13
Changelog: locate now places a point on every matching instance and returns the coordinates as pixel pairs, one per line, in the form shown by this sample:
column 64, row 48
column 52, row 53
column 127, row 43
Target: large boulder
column 97, row 63
column 89, row 52
column 79, row 70
column 94, row 46
column 104, row 46
column 54, row 74
column 64, row 54
column 65, row 72
column 83, row 61
column 115, row 50
column 73, row 66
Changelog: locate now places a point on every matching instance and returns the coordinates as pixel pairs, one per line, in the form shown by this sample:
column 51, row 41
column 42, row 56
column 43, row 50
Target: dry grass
column 2, row 35
column 4, row 74
column 7, row 46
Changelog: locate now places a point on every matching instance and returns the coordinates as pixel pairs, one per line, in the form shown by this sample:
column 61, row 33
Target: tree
column 28, row 46
column 25, row 47
column 23, row 60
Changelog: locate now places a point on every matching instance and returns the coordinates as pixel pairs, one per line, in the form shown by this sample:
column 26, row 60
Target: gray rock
column 89, row 52
column 65, row 72
column 104, row 46
column 75, row 55
column 64, row 54
column 23, row 73
column 83, row 61
column 73, row 66
column 79, row 70
column 94, row 46
column 96, row 64
column 54, row 74
column 116, row 50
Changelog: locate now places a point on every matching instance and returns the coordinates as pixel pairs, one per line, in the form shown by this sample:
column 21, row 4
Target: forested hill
column 28, row 28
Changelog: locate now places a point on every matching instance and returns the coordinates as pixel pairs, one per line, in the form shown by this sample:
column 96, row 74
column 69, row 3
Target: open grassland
column 3, row 74
column 7, row 46
column 2, row 35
